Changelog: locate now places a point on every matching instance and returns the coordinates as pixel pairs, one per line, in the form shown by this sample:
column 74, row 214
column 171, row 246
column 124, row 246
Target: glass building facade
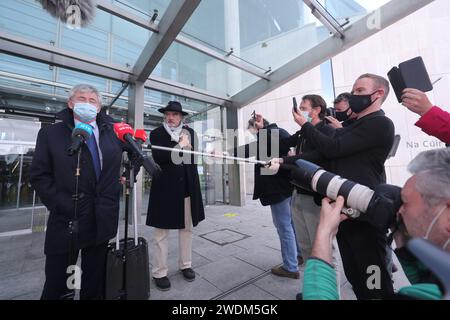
column 211, row 53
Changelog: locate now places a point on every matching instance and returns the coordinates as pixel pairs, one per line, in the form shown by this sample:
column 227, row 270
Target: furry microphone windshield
column 76, row 13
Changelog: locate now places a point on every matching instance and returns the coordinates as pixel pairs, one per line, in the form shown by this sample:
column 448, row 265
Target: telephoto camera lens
column 378, row 207
column 310, row 176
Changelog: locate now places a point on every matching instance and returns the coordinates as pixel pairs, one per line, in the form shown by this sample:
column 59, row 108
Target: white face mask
column 85, row 112
column 433, row 222
column 306, row 115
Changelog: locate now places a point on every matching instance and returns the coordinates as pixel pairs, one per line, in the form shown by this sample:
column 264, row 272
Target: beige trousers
column 306, row 217
column 161, row 248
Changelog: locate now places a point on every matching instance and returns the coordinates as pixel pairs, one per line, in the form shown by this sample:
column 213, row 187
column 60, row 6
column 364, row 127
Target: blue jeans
column 282, row 219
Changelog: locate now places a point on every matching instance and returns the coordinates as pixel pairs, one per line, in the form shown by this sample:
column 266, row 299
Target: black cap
column 174, row 106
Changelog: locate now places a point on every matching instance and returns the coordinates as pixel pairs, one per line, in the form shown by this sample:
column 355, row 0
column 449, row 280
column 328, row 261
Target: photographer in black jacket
column 425, row 211
column 305, row 209
column 274, row 190
column 358, row 152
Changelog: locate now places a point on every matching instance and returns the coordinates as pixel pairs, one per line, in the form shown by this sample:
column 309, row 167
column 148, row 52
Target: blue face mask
column 306, row 115
column 85, row 112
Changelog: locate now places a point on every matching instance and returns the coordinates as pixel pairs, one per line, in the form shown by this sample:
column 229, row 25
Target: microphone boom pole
column 204, row 154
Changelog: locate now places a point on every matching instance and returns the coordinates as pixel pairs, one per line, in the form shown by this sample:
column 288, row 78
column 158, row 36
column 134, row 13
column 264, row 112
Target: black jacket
column 52, row 174
column 357, row 152
column 304, row 145
column 166, row 203
column 268, row 188
column 301, row 144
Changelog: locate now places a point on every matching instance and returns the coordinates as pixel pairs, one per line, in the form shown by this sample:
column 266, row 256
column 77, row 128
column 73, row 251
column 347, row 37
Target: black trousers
column 363, row 252
column 93, row 264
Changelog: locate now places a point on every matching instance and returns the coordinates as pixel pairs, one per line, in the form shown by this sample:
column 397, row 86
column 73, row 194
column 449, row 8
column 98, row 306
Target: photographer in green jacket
column 425, row 213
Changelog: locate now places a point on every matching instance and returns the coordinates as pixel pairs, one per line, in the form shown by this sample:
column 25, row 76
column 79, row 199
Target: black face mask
column 360, row 103
column 342, row 116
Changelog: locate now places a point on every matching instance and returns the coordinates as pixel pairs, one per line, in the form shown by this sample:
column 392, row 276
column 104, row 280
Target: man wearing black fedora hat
column 175, row 196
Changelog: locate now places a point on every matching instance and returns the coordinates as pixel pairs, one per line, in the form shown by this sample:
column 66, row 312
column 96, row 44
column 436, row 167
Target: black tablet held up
column 410, row 74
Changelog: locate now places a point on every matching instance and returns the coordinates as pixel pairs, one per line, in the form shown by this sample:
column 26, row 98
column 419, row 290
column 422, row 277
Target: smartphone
column 331, row 112
column 295, row 105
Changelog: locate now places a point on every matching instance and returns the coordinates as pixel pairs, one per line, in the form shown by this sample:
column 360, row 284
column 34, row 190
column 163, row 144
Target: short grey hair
column 432, row 170
column 379, row 82
column 85, row 88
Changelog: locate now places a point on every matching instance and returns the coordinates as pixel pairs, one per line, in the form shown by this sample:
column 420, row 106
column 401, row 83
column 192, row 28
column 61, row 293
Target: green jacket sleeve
column 415, row 271
column 423, row 291
column 417, row 274
column 319, row 281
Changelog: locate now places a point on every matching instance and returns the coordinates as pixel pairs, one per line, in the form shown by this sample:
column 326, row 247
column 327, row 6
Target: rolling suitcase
column 127, row 264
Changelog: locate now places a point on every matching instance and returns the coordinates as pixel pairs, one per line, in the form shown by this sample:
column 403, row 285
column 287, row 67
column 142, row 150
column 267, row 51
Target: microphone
column 125, row 133
column 140, row 135
column 80, row 134
column 76, row 13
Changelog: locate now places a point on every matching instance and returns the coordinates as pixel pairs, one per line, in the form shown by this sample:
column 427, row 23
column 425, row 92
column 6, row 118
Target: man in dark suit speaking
column 93, row 222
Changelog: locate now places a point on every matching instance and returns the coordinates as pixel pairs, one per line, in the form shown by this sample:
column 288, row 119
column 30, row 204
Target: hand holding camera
column 331, row 216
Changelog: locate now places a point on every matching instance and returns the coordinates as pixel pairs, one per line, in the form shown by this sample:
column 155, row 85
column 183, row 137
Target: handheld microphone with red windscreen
column 125, row 133
column 140, row 135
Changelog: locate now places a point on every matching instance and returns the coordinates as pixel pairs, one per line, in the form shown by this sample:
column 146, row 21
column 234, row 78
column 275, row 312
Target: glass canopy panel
column 37, row 86
column 155, row 100
column 15, row 65
column 27, row 19
column 351, row 10
column 30, row 96
column 127, row 42
column 92, row 40
column 200, row 71
column 261, row 32
column 72, row 78
column 143, row 8
column 108, row 38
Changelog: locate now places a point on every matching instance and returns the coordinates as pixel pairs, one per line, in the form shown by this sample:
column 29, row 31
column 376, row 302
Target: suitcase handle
column 135, row 215
column 134, row 220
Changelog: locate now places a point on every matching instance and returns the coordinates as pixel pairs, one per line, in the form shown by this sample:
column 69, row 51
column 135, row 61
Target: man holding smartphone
column 305, row 210
column 343, row 114
column 357, row 152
